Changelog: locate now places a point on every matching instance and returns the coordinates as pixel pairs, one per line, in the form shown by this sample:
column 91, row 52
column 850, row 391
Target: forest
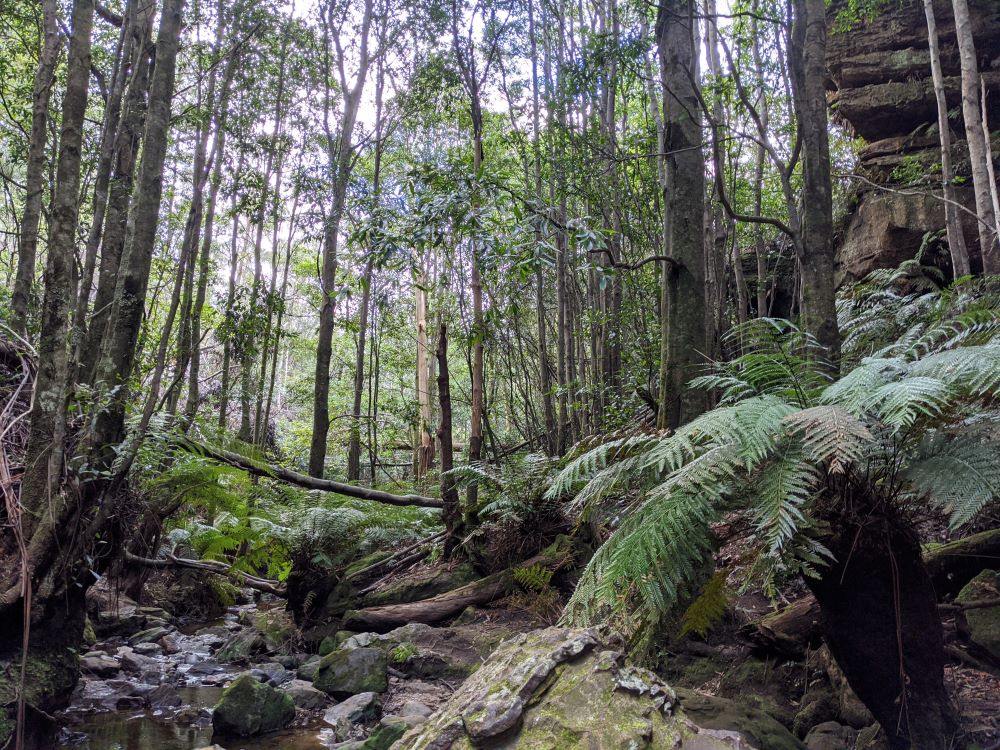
column 429, row 374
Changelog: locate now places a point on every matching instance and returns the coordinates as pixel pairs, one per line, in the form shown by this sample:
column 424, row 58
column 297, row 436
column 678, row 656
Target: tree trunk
column 340, row 158
column 879, row 617
column 807, row 65
column 956, row 240
column 989, row 243
column 27, row 245
column 683, row 345
column 449, row 495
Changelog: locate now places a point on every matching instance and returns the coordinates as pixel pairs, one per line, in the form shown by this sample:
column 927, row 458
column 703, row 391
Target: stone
column 169, row 644
column 164, row 696
column 568, row 689
column 276, row 673
column 390, row 729
column 413, row 708
column 135, row 663
column 983, row 625
column 356, row 709
column 328, row 645
column 243, row 645
column 148, row 649
column 831, row 736
column 349, row 671
column 307, row 670
column 248, row 707
column 721, row 714
column 305, row 695
column 99, row 666
column 149, row 635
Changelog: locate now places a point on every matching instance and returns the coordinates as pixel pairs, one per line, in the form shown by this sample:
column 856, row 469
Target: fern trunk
column 879, row 617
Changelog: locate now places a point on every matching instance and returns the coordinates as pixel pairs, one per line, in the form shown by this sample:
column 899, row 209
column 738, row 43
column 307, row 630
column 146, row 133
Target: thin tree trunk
column 449, row 495
column 956, row 240
column 227, row 346
column 807, row 66
column 989, row 243
column 27, row 247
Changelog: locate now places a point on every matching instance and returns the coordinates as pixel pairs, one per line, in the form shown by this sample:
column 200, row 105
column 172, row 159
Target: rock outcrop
column 881, row 90
column 574, row 689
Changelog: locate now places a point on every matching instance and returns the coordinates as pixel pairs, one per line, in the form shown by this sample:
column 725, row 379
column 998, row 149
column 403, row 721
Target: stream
column 142, row 696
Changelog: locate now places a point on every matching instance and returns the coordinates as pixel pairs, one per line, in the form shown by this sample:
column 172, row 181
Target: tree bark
column 956, row 240
column 449, row 495
column 27, row 247
column 683, row 345
column 989, row 243
column 807, row 66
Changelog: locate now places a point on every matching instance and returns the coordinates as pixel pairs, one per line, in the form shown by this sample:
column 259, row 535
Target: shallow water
column 146, row 730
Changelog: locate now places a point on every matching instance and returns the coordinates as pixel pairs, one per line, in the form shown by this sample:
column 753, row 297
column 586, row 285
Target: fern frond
column 831, row 436
column 960, row 476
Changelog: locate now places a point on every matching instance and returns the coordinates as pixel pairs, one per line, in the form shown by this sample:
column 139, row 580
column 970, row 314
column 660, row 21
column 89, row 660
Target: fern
column 709, row 608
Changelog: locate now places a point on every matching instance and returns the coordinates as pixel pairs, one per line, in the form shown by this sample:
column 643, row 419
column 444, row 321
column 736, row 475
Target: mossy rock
column 249, row 707
column 278, row 629
column 983, row 624
column 367, row 561
column 756, row 725
column 89, row 636
column 349, row 671
column 243, row 645
column 573, row 690
column 390, row 729
column 422, row 584
column 328, row 645
column 50, row 676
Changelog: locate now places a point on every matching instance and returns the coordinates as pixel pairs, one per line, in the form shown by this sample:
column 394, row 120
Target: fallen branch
column 212, row 566
column 390, row 561
column 259, row 469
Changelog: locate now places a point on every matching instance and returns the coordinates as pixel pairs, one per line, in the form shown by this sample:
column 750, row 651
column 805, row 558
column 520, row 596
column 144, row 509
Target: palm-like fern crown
column 909, row 421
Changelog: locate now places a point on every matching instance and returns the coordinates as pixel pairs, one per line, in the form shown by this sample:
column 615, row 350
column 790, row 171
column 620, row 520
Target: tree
column 28, row 240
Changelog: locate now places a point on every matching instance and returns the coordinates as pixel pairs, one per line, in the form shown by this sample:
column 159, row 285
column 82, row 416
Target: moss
column 402, row 652
column 249, row 707
column 89, row 637
column 984, row 624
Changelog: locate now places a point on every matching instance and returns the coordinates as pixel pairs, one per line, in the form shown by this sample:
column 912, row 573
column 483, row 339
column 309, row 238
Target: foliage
column 904, row 424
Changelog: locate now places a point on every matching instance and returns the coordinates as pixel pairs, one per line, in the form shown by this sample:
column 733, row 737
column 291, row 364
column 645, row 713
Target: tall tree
column 35, row 167
column 340, row 155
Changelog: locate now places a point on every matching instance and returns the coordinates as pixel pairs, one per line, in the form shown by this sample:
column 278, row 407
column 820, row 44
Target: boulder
column 99, row 666
column 307, row 670
column 568, row 688
column 349, row 671
column 249, row 707
column 305, row 695
column 831, row 736
column 982, row 626
column 356, row 709
column 243, row 645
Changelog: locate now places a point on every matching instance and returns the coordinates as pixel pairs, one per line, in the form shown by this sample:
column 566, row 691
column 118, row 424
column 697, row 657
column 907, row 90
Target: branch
column 258, row 469
column 212, row 566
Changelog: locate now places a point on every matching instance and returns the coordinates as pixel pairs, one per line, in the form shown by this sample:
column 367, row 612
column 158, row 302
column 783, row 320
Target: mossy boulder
column 242, row 646
column 422, row 583
column 349, row 671
column 249, row 707
column 569, row 689
column 983, row 624
column 755, row 725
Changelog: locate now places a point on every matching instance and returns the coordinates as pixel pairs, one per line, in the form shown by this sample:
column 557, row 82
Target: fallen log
column 791, row 631
column 954, row 564
column 259, row 469
column 266, row 585
column 451, row 603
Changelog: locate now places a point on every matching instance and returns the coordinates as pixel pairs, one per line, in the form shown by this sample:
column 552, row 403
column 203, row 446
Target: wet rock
column 305, row 695
column 242, row 646
column 390, row 729
column 571, row 688
column 349, row 671
column 135, row 663
column 982, row 626
column 169, row 644
column 149, row 635
column 249, row 707
column 164, row 696
column 99, row 666
column 148, row 649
